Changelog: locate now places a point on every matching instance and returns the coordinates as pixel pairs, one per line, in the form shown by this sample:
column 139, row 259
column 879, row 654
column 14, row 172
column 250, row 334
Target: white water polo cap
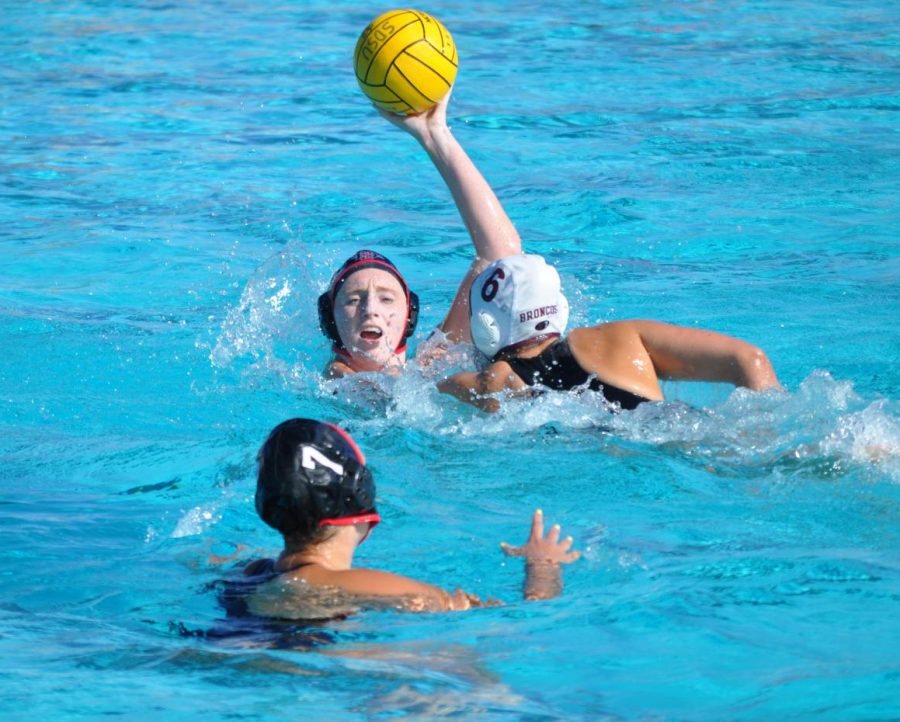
column 514, row 300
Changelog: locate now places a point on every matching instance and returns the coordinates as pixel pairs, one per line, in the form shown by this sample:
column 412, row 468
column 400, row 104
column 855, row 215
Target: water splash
column 197, row 521
column 823, row 427
column 269, row 307
column 272, row 332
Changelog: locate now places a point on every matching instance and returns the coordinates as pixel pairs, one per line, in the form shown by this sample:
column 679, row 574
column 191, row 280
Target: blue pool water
column 179, row 179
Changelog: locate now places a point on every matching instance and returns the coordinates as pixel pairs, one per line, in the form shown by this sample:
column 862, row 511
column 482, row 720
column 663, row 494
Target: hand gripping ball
column 405, row 61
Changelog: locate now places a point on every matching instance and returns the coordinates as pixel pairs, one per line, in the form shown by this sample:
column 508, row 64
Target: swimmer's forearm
column 490, row 228
column 543, row 580
column 748, row 366
column 402, row 592
column 464, row 386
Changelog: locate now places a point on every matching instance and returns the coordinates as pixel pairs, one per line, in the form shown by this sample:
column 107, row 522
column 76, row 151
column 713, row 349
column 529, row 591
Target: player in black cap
column 314, row 487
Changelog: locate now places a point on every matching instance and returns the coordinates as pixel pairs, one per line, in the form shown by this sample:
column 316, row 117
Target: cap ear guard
column 412, row 316
column 326, row 319
column 485, row 333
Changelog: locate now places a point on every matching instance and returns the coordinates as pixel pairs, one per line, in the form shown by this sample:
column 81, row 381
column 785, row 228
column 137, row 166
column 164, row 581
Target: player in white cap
column 518, row 320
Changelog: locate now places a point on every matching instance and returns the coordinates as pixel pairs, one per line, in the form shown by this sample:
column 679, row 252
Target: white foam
column 746, row 430
column 197, row 521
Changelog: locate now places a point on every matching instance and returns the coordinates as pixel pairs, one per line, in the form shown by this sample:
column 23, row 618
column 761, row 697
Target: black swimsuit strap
column 556, row 368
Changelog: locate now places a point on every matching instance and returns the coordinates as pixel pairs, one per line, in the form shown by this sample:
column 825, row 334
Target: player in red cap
column 368, row 311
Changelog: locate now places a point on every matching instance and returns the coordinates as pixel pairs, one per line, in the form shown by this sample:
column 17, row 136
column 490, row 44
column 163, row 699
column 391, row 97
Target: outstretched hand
column 540, row 548
column 421, row 125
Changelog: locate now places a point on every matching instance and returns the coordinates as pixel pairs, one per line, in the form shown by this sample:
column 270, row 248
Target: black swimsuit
column 556, row 368
column 241, row 626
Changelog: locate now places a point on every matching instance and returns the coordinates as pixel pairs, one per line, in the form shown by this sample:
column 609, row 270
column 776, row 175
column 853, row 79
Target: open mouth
column 371, row 333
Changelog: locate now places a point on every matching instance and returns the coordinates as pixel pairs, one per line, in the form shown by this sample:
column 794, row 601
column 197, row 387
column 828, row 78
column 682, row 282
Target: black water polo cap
column 312, row 474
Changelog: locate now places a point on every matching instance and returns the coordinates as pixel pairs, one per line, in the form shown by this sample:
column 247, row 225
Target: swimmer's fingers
column 566, row 556
column 420, row 124
column 539, row 547
column 439, row 111
column 512, row 551
column 392, row 118
column 535, row 537
column 475, row 601
column 556, row 550
column 537, row 526
column 415, row 125
column 553, row 536
column 459, row 601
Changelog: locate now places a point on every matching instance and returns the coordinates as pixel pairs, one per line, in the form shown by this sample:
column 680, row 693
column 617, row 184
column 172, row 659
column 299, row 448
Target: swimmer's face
column 370, row 311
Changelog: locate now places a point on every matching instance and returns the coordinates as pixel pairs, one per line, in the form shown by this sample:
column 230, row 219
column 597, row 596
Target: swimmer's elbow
column 758, row 373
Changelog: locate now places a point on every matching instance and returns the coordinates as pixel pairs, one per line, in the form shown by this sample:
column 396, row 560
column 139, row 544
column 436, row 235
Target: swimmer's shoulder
column 591, row 342
column 337, row 369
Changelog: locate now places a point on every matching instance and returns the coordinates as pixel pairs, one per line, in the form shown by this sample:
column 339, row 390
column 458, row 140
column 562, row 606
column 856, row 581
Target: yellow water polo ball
column 405, row 61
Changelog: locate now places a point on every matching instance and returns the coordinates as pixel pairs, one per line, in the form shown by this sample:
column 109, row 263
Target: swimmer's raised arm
column 492, row 232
